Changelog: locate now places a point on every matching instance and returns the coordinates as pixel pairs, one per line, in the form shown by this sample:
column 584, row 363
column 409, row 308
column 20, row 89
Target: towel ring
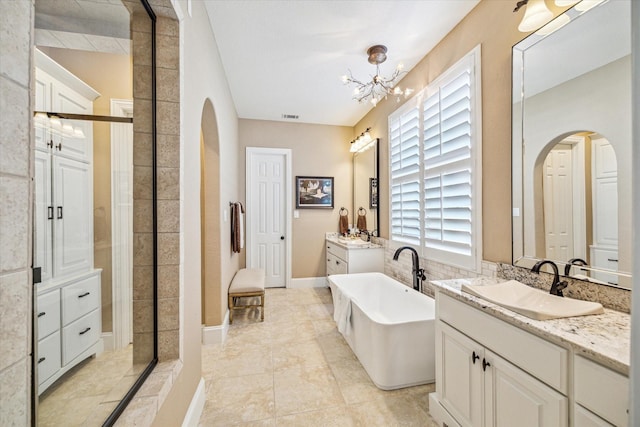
column 362, row 211
column 346, row 212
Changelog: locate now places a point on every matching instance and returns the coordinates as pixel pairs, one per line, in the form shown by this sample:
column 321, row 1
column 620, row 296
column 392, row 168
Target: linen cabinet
column 68, row 302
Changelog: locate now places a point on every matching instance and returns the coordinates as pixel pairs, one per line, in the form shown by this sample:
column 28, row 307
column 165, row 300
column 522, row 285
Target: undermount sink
column 531, row 302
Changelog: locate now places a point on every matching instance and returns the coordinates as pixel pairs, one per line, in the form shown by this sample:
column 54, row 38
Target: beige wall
column 110, row 75
column 202, row 78
column 493, row 25
column 317, row 150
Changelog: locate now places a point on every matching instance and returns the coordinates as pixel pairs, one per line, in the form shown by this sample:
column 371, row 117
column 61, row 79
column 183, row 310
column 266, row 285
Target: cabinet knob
column 474, row 357
column 485, row 364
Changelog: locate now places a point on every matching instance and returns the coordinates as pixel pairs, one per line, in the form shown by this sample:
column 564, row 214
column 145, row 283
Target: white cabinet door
column 73, row 205
column 43, row 87
column 460, row 382
column 66, row 100
column 515, row 398
column 43, row 215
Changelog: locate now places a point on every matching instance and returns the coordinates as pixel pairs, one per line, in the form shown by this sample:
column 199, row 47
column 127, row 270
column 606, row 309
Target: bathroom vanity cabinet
column 343, row 259
column 490, row 372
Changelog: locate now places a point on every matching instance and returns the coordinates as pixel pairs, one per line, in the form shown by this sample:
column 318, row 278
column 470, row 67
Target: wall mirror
column 92, row 348
column 572, row 143
column 365, row 188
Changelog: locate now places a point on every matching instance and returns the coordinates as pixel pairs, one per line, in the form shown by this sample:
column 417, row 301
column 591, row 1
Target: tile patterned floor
column 89, row 392
column 295, row 369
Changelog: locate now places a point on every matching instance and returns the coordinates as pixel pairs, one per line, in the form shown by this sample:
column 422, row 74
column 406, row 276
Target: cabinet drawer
column 80, row 335
column 48, row 313
column 586, row 418
column 601, row 390
column 337, row 251
column 336, row 265
column 48, row 356
column 538, row 357
column 80, row 298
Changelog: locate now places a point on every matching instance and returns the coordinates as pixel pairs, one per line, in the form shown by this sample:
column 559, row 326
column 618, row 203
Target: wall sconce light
column 362, row 142
column 536, row 15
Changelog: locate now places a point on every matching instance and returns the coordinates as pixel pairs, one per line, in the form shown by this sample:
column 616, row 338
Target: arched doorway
column 212, row 301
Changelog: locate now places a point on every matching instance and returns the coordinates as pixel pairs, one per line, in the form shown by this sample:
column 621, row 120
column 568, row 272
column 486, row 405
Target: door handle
column 474, row 357
column 59, row 212
column 49, row 212
column 485, row 364
column 281, row 237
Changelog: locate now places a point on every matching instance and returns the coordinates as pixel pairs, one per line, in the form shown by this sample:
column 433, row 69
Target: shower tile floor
column 295, row 369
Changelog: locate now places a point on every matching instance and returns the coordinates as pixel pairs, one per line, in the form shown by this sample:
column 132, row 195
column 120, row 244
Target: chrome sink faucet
column 417, row 272
column 557, row 286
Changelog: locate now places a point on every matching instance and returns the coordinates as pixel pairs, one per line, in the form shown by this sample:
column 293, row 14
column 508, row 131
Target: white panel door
column 460, row 385
column 73, row 206
column 267, row 213
column 515, row 398
column 65, row 100
column 42, row 103
column 558, row 203
column 43, row 216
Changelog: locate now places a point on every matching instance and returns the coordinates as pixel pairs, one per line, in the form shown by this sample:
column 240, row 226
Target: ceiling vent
column 290, row 116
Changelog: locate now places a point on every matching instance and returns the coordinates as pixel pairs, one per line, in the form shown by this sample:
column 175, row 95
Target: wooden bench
column 248, row 282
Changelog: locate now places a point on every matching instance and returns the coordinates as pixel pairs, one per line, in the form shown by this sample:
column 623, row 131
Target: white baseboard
column 309, row 282
column 107, row 341
column 192, row 417
column 216, row 334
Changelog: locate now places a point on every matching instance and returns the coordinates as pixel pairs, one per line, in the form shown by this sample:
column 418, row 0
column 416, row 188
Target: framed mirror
column 365, row 189
column 571, row 144
column 94, row 334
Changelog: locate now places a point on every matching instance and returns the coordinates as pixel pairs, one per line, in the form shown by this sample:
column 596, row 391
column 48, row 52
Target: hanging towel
column 361, row 223
column 342, row 312
column 237, row 227
column 241, row 225
column 344, row 224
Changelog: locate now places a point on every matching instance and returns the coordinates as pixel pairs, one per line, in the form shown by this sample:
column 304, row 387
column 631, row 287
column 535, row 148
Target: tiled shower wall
column 16, row 32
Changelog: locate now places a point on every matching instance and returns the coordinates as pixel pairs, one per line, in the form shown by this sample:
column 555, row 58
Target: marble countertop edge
column 604, row 338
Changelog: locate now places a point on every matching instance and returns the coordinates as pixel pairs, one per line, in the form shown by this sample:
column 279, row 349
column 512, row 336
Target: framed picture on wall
column 373, row 193
column 314, row 192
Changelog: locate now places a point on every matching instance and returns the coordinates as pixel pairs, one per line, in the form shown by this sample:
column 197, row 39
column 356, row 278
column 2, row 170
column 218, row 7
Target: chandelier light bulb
column 345, row 79
column 400, row 67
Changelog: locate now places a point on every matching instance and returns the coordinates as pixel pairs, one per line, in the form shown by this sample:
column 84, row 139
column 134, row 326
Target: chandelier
column 379, row 87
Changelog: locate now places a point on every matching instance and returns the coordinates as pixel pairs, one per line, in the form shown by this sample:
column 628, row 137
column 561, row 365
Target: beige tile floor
column 89, row 392
column 295, row 369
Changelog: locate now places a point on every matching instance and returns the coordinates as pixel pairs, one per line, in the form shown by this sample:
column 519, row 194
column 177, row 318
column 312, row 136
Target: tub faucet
column 571, row 263
column 557, row 286
column 416, row 271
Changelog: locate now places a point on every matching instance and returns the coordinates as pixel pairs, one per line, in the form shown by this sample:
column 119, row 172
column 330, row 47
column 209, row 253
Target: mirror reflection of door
column 558, row 203
column 580, row 203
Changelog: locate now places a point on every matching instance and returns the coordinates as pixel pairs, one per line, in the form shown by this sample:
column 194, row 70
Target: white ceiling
column 287, row 57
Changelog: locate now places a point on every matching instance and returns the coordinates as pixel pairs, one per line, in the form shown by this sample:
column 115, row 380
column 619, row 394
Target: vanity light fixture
column 362, row 142
column 536, row 15
column 379, row 87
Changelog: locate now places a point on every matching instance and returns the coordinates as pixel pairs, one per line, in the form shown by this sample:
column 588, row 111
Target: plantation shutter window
column 448, row 181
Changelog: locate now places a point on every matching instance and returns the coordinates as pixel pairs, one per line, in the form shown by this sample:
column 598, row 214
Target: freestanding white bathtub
column 388, row 325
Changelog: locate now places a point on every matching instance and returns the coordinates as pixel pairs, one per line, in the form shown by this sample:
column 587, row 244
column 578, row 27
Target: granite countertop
column 349, row 243
column 604, row 338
